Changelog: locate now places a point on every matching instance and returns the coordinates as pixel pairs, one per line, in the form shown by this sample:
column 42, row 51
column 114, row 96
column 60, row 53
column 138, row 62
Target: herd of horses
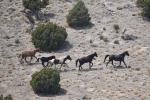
column 52, row 60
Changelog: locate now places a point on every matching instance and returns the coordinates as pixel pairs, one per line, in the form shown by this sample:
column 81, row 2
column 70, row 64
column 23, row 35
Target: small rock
column 90, row 89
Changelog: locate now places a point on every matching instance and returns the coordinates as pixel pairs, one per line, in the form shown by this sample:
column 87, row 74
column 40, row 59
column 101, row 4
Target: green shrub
column 146, row 11
column 49, row 36
column 142, row 3
column 46, row 81
column 116, row 27
column 78, row 16
column 145, row 4
column 9, row 97
column 35, row 5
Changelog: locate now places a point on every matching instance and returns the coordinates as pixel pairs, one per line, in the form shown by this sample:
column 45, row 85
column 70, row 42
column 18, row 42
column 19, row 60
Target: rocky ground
column 100, row 83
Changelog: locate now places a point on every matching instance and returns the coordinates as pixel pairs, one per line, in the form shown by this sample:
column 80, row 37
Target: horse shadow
column 121, row 67
column 65, row 47
column 87, row 70
column 60, row 93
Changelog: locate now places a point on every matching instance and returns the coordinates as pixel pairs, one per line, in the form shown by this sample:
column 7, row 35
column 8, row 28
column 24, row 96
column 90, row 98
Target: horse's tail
column 106, row 57
column 77, row 62
column 38, row 60
column 19, row 55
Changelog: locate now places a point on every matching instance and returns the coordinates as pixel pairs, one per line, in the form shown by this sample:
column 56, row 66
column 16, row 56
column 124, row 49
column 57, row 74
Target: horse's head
column 53, row 57
column 68, row 57
column 95, row 54
column 37, row 50
column 126, row 53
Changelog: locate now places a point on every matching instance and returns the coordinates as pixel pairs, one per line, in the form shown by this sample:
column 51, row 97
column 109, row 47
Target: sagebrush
column 49, row 36
column 145, row 5
column 35, row 5
column 78, row 16
column 8, row 97
column 46, row 81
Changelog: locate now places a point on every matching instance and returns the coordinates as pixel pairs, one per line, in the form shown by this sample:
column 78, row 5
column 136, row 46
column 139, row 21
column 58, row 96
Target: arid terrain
column 100, row 83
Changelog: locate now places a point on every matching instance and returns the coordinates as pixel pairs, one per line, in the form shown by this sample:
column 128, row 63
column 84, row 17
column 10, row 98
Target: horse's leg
column 43, row 64
column 47, row 64
column 31, row 58
column 35, row 57
column 66, row 65
column 80, row 67
column 21, row 61
column 108, row 63
column 61, row 66
column 120, row 63
column 50, row 64
column 125, row 64
column 25, row 58
column 90, row 65
column 112, row 63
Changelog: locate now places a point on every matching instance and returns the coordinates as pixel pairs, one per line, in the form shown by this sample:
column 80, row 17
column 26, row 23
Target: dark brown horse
column 119, row 58
column 87, row 59
column 30, row 54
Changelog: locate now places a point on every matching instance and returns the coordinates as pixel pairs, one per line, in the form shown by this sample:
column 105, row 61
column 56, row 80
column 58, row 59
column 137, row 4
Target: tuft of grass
column 116, row 42
column 17, row 41
column 116, row 27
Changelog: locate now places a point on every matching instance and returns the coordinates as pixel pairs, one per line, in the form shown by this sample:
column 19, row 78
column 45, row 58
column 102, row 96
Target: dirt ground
column 100, row 83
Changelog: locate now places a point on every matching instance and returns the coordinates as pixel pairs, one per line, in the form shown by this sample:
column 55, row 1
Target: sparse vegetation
column 145, row 4
column 78, row 16
column 116, row 42
column 46, row 81
column 49, row 36
column 105, row 39
column 104, row 28
column 17, row 41
column 129, row 37
column 35, row 5
column 116, row 27
column 8, row 97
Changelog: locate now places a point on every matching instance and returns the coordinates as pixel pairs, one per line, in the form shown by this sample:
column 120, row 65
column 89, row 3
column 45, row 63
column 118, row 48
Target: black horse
column 62, row 61
column 87, row 59
column 119, row 58
column 46, row 59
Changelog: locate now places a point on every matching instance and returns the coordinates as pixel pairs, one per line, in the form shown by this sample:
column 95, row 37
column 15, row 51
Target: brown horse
column 26, row 54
